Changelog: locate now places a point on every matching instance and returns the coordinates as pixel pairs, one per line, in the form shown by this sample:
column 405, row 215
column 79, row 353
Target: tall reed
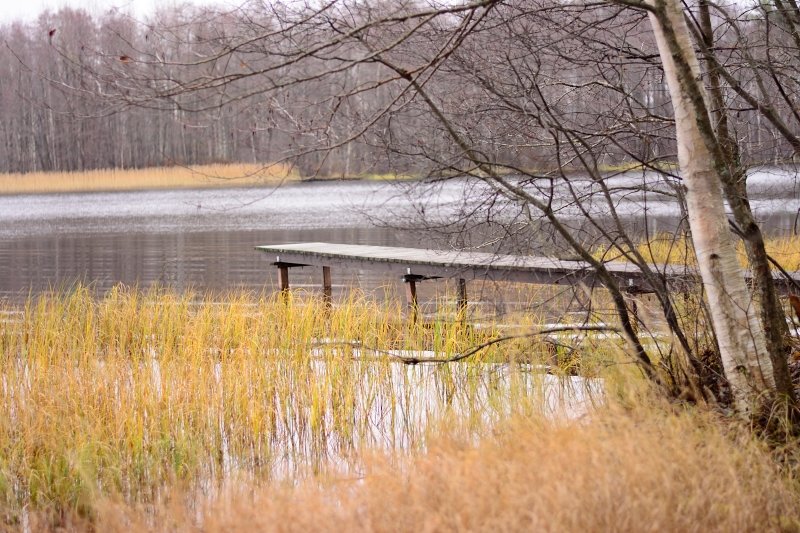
column 667, row 248
column 634, row 469
column 641, row 466
column 131, row 393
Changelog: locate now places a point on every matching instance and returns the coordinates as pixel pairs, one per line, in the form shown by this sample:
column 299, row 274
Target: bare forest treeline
column 76, row 91
column 55, row 115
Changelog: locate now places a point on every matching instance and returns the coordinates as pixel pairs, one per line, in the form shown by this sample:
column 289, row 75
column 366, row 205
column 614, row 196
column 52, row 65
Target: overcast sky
column 29, row 9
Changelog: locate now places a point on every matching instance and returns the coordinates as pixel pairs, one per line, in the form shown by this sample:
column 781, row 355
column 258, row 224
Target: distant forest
column 80, row 92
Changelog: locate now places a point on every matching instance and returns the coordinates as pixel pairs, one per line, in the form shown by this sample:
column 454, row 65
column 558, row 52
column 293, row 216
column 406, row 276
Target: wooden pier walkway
column 414, row 265
column 430, row 264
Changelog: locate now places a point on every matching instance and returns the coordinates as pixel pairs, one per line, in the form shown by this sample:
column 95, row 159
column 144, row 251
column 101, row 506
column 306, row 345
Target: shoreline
column 196, row 177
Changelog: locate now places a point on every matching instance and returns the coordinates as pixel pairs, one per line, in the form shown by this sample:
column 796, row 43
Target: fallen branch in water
column 475, row 349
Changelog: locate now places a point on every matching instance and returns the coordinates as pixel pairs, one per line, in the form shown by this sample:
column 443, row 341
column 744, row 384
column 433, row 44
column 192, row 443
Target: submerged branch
column 475, row 349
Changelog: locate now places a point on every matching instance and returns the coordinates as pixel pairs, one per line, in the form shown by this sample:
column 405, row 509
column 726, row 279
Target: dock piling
column 411, row 295
column 283, row 275
column 327, row 287
column 462, row 298
column 283, row 278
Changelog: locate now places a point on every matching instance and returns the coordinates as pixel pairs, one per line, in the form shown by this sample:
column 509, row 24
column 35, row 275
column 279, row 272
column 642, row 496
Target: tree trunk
column 734, row 185
column 745, row 359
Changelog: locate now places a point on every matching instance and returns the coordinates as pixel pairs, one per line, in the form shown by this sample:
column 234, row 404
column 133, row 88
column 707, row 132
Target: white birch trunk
column 742, row 344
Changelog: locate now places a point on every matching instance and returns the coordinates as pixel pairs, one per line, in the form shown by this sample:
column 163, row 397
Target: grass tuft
column 667, row 248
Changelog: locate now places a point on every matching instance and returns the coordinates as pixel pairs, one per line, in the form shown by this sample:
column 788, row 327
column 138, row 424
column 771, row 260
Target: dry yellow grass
column 123, row 394
column 641, row 469
column 785, row 250
column 162, row 411
column 670, row 249
column 223, row 175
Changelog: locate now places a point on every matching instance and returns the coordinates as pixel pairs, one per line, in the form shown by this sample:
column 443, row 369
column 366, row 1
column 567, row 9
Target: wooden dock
column 414, row 265
column 432, row 264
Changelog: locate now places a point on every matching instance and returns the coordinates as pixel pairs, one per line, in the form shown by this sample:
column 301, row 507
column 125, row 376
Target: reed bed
column 624, row 470
column 131, row 394
column 667, row 248
column 155, row 410
column 198, row 176
column 643, row 467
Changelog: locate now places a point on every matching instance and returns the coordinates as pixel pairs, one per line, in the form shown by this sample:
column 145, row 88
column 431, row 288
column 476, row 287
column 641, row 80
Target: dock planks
column 465, row 265
column 415, row 264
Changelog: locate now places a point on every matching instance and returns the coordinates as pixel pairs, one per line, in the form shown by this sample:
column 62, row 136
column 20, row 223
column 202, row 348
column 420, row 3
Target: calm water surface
column 204, row 239
column 200, row 239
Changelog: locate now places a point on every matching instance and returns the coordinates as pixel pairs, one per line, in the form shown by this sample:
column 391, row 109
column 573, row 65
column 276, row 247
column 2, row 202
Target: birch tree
column 742, row 344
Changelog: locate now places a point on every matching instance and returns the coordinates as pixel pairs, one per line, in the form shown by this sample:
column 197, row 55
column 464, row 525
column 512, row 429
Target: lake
column 204, row 239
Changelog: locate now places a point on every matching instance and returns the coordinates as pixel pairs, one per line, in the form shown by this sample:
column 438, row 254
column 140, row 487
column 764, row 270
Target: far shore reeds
column 172, row 177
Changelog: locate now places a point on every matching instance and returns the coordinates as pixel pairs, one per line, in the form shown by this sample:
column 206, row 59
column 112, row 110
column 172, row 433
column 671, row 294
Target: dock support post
column 411, row 292
column 283, row 276
column 327, row 288
column 411, row 300
column 462, row 299
column 633, row 293
column 633, row 309
column 283, row 281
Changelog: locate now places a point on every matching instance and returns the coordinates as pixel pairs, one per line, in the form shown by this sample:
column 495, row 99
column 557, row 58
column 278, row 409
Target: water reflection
column 206, row 260
column 204, row 239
